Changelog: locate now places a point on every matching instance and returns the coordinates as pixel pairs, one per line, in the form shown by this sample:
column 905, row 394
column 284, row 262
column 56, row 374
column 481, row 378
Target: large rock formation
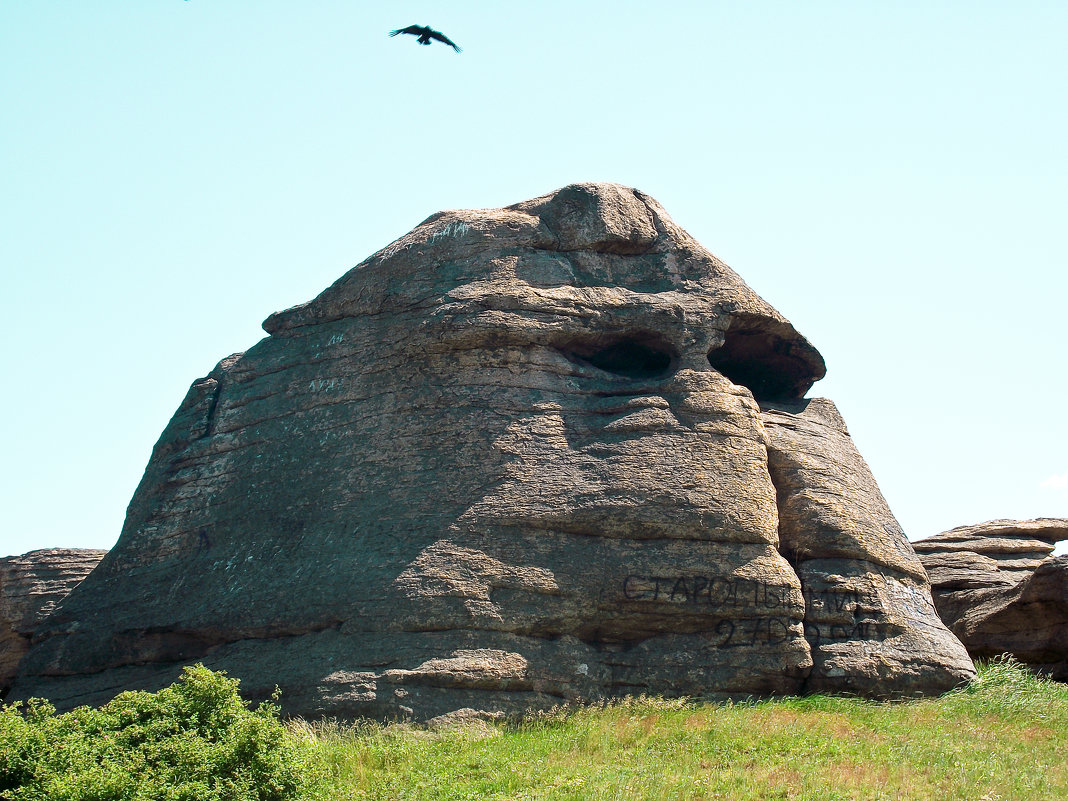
column 998, row 588
column 30, row 587
column 556, row 451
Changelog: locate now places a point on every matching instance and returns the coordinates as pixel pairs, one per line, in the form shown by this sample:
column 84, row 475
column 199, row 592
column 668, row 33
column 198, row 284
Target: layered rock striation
column 1000, row 590
column 31, row 585
column 551, row 452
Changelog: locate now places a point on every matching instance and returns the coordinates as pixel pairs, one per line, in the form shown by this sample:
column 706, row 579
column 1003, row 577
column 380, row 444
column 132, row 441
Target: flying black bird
column 425, row 34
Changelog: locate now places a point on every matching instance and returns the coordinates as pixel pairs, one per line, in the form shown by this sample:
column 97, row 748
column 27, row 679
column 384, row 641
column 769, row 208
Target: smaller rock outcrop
column 999, row 590
column 30, row 587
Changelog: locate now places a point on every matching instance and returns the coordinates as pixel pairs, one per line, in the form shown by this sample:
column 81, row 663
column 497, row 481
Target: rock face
column 30, row 587
column 998, row 588
column 556, row 451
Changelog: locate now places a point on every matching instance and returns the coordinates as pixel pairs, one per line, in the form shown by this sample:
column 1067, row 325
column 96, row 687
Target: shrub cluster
column 195, row 740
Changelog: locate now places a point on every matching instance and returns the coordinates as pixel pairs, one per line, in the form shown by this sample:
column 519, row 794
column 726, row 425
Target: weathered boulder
column 556, row 451
column 30, row 587
column 869, row 617
column 998, row 588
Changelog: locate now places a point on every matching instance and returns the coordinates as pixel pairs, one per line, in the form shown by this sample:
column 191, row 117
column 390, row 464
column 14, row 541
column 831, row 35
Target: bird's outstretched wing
column 443, row 38
column 413, row 29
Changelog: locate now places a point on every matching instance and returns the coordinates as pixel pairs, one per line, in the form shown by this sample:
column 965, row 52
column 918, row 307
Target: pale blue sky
column 890, row 175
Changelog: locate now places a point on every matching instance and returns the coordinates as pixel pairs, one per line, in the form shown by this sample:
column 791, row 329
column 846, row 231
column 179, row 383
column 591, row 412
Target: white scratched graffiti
column 325, row 384
column 453, row 229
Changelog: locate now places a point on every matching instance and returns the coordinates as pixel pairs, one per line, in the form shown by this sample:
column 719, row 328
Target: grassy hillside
column 1005, row 737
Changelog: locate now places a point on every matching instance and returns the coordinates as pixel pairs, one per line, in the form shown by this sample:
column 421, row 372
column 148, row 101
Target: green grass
column 1004, row 737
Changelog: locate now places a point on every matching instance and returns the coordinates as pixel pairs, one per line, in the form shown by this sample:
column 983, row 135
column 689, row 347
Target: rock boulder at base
column 30, row 587
column 551, row 452
column 998, row 588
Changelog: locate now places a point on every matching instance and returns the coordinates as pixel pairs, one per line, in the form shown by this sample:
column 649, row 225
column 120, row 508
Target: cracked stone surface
column 1000, row 590
column 551, row 452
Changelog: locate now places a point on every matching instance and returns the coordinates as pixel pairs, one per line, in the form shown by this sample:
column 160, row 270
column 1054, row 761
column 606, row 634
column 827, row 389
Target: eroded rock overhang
column 556, row 451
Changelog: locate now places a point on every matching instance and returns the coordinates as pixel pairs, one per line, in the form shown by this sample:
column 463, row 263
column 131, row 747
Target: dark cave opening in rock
column 632, row 357
column 770, row 365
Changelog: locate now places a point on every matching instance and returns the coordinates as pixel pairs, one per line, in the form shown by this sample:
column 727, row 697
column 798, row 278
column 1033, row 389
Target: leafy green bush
column 195, row 740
